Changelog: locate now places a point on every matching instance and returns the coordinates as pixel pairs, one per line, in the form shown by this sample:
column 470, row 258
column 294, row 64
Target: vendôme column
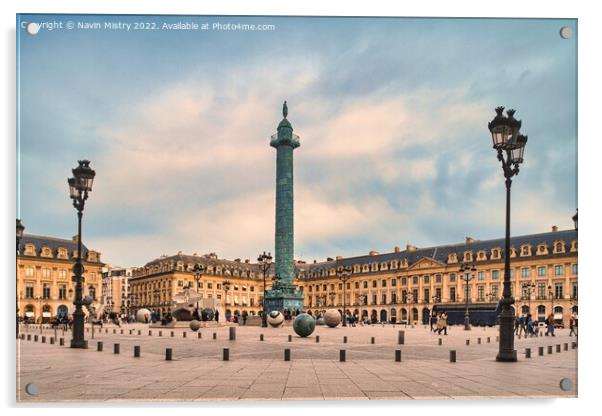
column 283, row 294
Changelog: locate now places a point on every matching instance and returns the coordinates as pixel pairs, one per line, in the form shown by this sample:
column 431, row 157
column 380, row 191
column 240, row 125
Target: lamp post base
column 467, row 323
column 506, row 353
column 78, row 343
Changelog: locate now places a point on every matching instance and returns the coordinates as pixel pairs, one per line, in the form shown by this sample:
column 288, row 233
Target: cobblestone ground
column 257, row 370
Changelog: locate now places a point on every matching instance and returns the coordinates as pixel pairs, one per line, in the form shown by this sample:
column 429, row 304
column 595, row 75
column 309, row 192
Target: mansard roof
column 204, row 259
column 441, row 253
column 53, row 243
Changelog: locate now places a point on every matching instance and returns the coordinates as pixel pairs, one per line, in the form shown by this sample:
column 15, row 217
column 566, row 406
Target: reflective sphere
column 275, row 319
column 194, row 325
column 87, row 300
column 304, row 325
column 143, row 315
column 332, row 318
column 208, row 314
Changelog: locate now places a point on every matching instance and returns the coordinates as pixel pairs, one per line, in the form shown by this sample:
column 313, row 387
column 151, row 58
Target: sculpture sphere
column 143, row 315
column 208, row 314
column 304, row 325
column 332, row 318
column 195, row 325
column 275, row 319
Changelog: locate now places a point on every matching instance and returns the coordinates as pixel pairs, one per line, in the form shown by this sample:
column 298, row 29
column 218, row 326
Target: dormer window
column 481, row 255
column 394, row 264
column 495, row 253
column 452, row 258
column 468, row 256
column 62, row 253
column 574, row 245
column 512, row 252
column 46, row 252
column 559, row 247
column 525, row 250
column 542, row 250
column 30, row 249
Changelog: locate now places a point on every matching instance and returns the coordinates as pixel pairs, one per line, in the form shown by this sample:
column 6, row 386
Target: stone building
column 116, row 289
column 44, row 272
column 235, row 286
column 406, row 284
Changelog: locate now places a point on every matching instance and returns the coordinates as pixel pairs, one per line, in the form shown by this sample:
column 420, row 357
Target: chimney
column 469, row 240
column 374, row 253
column 339, row 257
column 397, row 249
column 410, row 247
column 315, row 261
column 554, row 228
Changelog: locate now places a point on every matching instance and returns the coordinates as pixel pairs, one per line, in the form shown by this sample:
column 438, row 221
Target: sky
column 392, row 116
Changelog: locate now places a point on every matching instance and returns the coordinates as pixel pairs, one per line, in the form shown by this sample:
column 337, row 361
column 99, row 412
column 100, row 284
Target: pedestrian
column 550, row 323
column 516, row 325
column 245, row 315
column 216, row 316
column 433, row 322
column 521, row 325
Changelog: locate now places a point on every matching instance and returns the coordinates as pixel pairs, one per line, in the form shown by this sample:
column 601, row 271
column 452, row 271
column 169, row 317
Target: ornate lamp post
column 575, row 219
column 510, row 147
column 344, row 274
column 79, row 186
column 264, row 260
column 528, row 288
column 20, row 229
column 467, row 271
column 198, row 270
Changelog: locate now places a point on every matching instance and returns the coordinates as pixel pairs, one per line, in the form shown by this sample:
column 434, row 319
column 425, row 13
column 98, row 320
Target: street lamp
column 467, row 270
column 79, row 187
column 344, row 274
column 264, row 261
column 410, row 299
column 528, row 288
column 20, row 229
column 510, row 147
column 574, row 219
column 198, row 270
column 551, row 296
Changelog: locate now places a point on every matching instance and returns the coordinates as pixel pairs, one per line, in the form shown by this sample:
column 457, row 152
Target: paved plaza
column 256, row 369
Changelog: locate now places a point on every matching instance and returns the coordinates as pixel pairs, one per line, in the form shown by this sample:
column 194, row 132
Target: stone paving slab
column 257, row 371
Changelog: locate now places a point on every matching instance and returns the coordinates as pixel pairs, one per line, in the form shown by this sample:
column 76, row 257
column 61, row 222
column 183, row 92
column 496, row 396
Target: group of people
column 439, row 323
column 527, row 326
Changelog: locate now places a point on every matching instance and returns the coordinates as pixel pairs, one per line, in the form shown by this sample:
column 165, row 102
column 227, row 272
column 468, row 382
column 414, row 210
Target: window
column 558, row 291
column 374, row 300
column 427, row 295
column 46, row 291
column 180, row 283
column 62, row 274
column 404, row 281
column 325, row 287
column 426, row 279
column 29, row 271
column 525, row 272
column 452, row 294
column 574, row 269
column 92, row 292
column 365, row 285
column 495, row 275
column 541, row 271
column 393, row 282
column 46, row 272
column 393, row 297
column 210, row 286
column 494, row 291
column 437, row 278
column 438, row 294
column 348, row 285
column 62, row 292
column 541, row 291
column 574, row 295
column 384, row 298
column 383, row 283
column 357, row 285
column 374, row 283
column 452, row 277
column 415, row 295
column 481, row 293
column 558, row 270
column 511, row 273
column 414, row 280
column 404, row 296
column 481, row 276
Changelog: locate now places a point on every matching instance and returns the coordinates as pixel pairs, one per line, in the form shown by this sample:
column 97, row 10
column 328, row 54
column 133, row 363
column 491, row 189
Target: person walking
column 216, row 316
column 572, row 326
column 550, row 323
column 521, row 325
column 516, row 325
column 245, row 315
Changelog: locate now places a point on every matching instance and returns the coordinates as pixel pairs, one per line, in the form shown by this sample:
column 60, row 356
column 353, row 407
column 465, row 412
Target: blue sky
column 392, row 115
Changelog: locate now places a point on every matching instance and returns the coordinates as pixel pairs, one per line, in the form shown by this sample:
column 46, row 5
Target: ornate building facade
column 235, row 286
column 406, row 284
column 44, row 271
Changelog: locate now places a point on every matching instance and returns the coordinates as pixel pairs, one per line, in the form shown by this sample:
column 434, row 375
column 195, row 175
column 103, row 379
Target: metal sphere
column 304, row 325
column 143, row 315
column 275, row 319
column 332, row 318
column 195, row 325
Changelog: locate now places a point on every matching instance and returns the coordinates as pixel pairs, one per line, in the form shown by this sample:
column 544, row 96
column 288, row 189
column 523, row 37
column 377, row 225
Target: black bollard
column 99, row 346
column 261, row 337
column 528, row 353
column 115, row 348
column 226, row 354
column 184, row 334
column 540, row 351
column 401, row 337
column 566, row 346
column 287, row 354
column 478, row 340
column 160, row 333
column 398, row 356
column 549, row 349
column 467, row 342
column 440, row 341
column 232, row 334
column 61, row 341
column 290, row 338
column 557, row 347
column 52, row 340
column 150, row 333
column 372, row 340
column 136, row 350
column 452, row 356
column 28, row 337
column 215, row 335
column 342, row 356
column 139, row 332
column 172, row 333
column 168, row 354
column 317, row 338
column 488, row 340
column 199, row 335
column 43, row 339
column 345, row 340
column 35, row 338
